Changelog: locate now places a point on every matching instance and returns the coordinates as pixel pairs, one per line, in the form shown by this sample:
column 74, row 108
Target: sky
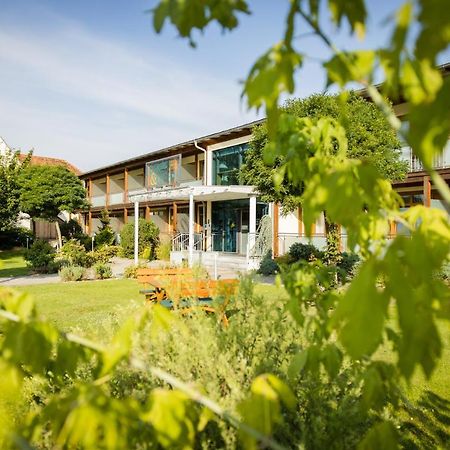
column 91, row 82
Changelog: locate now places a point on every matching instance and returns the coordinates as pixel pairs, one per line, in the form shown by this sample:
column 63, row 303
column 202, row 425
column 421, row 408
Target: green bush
column 131, row 271
column 72, row 273
column 105, row 253
column 347, row 263
column 41, row 257
column 73, row 253
column 163, row 251
column 15, row 237
column 268, row 265
column 148, row 238
column 102, row 271
column 70, row 229
column 105, row 234
column 304, row 252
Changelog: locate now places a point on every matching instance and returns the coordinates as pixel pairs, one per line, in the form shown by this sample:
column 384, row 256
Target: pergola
column 192, row 193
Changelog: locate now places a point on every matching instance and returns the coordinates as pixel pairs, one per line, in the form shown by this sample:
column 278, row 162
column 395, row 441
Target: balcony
column 415, row 165
column 98, row 200
column 116, row 198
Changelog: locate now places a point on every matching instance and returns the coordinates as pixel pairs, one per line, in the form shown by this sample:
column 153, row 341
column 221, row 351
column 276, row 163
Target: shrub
column 348, row 262
column 148, row 238
column 105, row 253
column 72, row 273
column 41, row 257
column 70, row 229
column 73, row 253
column 147, row 253
column 163, row 251
column 15, row 237
column 102, row 271
column 131, row 271
column 268, row 265
column 304, row 252
column 284, row 260
column 105, row 234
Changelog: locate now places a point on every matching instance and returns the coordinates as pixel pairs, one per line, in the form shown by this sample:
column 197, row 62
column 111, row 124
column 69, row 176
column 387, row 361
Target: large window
column 226, row 164
column 162, row 172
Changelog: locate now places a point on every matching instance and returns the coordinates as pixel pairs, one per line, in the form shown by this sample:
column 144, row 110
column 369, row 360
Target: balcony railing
column 116, row 198
column 98, row 200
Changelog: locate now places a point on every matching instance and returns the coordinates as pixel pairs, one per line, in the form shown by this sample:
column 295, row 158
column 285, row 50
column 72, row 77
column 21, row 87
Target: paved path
column 30, row 280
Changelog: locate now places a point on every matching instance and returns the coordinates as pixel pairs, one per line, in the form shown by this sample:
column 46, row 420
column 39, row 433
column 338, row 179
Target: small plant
column 268, row 265
column 348, row 262
column 131, row 271
column 163, row 251
column 72, row 273
column 102, row 271
column 41, row 257
column 73, row 253
column 147, row 253
column 105, row 253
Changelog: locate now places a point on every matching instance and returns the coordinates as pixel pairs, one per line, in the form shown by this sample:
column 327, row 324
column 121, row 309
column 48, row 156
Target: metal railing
column 180, row 242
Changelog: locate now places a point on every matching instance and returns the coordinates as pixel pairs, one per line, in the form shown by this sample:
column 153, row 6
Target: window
column 226, row 164
column 163, row 172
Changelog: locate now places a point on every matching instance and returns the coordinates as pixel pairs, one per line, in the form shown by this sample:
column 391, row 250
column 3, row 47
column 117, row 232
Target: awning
column 204, row 193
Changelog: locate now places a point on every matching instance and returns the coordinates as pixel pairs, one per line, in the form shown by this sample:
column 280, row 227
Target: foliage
column 268, row 265
column 304, row 252
column 12, row 263
column 41, row 257
column 71, row 229
column 104, row 253
column 73, row 253
column 72, row 273
column 348, row 262
column 131, row 271
column 163, row 251
column 105, row 234
column 102, row 271
column 148, row 238
column 15, row 237
column 370, row 139
column 10, row 169
column 46, row 191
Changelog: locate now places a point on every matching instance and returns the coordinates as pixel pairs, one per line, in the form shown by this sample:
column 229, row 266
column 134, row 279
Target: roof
column 204, row 140
column 48, row 161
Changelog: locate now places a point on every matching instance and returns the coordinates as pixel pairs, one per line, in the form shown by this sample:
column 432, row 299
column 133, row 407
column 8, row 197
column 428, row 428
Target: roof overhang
column 202, row 193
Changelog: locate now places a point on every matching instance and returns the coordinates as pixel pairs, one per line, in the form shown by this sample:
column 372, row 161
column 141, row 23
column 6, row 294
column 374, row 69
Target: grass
column 90, row 307
column 12, row 264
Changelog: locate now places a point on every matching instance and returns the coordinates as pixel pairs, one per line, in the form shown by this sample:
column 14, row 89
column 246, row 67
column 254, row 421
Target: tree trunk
column 58, row 232
column 333, row 251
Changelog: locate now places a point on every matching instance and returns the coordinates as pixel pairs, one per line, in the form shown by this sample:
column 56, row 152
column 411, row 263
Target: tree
column 10, row 170
column 46, row 191
column 105, row 234
column 370, row 138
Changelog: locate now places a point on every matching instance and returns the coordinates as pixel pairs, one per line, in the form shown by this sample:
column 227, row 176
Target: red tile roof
column 46, row 160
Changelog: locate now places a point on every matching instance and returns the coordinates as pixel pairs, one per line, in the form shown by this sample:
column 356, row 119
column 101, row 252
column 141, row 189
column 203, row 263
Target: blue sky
column 89, row 80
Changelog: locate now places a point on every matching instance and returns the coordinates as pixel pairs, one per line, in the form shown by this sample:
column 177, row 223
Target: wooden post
column 90, row 189
column 300, row 220
column 90, row 222
column 426, row 191
column 392, row 228
column 125, row 186
column 174, row 218
column 147, row 213
column 108, row 181
column 125, row 215
column 276, row 218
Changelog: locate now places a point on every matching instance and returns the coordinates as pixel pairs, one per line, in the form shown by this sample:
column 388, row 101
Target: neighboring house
column 42, row 229
column 192, row 193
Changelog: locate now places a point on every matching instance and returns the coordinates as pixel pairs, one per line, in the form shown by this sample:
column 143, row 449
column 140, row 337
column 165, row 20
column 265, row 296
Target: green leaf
column 382, row 435
column 354, row 11
column 331, row 360
column 360, row 314
column 297, row 364
column 346, row 67
column 434, row 36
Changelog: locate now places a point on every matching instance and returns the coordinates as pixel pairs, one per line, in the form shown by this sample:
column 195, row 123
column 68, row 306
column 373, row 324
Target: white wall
column 288, row 223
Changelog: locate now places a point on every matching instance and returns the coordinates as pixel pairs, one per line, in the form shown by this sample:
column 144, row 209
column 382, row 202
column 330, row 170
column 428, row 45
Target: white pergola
column 192, row 193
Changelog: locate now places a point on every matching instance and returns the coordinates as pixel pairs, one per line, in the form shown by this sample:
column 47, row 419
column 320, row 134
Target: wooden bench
column 145, row 276
column 179, row 289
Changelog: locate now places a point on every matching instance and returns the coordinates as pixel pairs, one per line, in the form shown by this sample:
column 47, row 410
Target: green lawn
column 91, row 306
column 12, row 264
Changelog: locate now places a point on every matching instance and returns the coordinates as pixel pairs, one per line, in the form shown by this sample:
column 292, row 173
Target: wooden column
column 90, row 189
column 174, row 218
column 147, row 213
column 300, row 220
column 125, row 186
column 426, row 191
column 90, row 222
column 197, row 167
column 108, row 188
column 392, row 228
column 125, row 215
column 276, row 216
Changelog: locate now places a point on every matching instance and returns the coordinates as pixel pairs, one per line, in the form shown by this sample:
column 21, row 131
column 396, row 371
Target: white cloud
column 88, row 98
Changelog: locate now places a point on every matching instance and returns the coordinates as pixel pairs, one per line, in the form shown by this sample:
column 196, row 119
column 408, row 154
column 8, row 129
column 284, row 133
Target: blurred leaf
column 346, row 67
column 381, row 436
column 354, row 11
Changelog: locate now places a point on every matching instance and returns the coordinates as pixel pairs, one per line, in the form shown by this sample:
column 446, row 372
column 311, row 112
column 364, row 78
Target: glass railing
column 116, row 198
column 98, row 200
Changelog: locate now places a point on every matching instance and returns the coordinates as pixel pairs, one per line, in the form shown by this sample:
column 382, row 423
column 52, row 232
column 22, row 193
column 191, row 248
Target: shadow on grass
column 428, row 425
column 12, row 264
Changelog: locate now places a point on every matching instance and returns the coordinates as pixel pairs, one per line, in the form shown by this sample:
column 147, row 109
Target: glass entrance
column 230, row 225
